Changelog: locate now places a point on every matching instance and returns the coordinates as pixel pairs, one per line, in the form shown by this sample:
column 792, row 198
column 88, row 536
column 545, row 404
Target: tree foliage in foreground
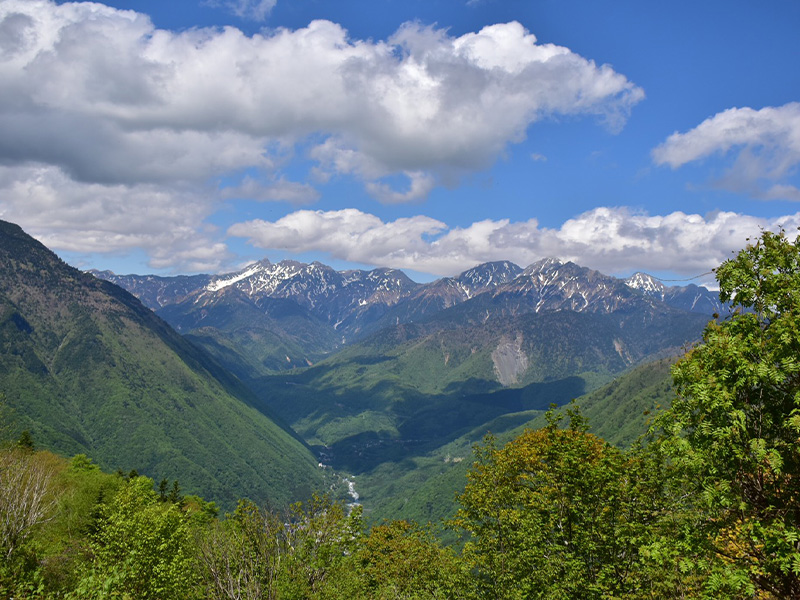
column 26, row 497
column 735, row 426
column 559, row 513
column 138, row 547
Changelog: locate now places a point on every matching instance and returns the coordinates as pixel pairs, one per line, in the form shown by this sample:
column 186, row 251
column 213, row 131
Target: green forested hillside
column 422, row 381
column 86, row 368
column 424, row 487
column 622, row 410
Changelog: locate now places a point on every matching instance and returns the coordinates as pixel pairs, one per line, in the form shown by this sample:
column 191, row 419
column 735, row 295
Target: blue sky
column 196, row 136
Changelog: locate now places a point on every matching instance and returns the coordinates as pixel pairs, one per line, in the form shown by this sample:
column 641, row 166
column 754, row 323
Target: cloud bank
column 171, row 225
column 118, row 136
column 109, row 106
column 612, row 240
column 107, row 97
column 766, row 143
column 168, row 222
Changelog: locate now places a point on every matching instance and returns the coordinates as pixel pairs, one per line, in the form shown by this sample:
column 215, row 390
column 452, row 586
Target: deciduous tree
column 735, row 426
column 141, row 548
column 239, row 558
column 552, row 516
column 26, row 497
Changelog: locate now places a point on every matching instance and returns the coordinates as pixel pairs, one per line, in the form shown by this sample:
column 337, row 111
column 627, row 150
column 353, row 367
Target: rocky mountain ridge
column 692, row 298
column 355, row 303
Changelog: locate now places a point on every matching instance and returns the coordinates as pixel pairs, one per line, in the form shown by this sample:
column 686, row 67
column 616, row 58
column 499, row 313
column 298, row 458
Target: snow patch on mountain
column 218, row 284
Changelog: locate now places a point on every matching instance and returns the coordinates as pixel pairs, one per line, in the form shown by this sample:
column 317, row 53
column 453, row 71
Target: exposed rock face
column 510, row 361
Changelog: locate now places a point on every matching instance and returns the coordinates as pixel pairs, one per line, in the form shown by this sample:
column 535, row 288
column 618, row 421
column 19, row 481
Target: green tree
column 402, row 560
column 261, row 554
column 162, row 490
column 141, row 548
column 175, row 495
column 322, row 536
column 239, row 558
column 25, row 441
column 27, row 502
column 734, row 429
column 554, row 514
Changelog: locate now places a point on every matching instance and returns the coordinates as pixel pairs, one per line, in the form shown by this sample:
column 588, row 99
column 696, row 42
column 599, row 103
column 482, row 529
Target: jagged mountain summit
column 333, row 295
column 551, row 284
column 486, row 276
column 646, row 284
column 477, row 280
column 692, row 298
column 291, row 314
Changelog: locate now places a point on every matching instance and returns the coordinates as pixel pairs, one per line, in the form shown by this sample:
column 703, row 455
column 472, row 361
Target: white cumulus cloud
column 107, row 97
column 113, row 218
column 766, row 143
column 613, row 240
column 117, row 135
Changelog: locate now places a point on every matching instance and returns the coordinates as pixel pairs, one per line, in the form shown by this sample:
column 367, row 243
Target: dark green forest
column 706, row 504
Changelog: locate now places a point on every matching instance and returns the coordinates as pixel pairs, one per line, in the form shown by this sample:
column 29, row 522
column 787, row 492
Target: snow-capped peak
column 543, row 266
column 645, row 283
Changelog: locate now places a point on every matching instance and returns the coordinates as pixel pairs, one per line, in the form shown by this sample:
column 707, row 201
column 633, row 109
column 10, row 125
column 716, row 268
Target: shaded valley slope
column 87, row 368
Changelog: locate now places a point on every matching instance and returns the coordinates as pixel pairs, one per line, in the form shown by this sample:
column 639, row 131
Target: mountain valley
column 379, row 374
column 282, row 366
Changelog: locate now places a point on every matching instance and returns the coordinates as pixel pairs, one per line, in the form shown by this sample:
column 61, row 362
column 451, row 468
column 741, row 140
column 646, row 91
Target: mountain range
column 376, row 372
column 291, row 314
column 239, row 384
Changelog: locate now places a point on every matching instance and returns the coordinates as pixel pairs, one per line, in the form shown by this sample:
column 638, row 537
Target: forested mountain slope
column 619, row 412
column 87, row 368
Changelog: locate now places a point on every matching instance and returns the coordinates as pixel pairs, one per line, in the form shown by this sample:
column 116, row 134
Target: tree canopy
column 735, row 425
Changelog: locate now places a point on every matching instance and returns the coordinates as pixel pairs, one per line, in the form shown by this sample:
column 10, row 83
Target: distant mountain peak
column 544, row 264
column 691, row 297
column 646, row 283
column 356, row 302
column 106, row 274
column 487, row 276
